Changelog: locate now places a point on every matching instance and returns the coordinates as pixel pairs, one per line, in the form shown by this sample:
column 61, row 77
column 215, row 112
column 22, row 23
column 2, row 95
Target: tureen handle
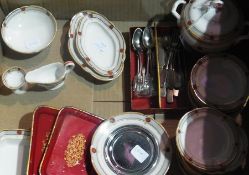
column 217, row 4
column 243, row 37
column 174, row 8
column 69, row 66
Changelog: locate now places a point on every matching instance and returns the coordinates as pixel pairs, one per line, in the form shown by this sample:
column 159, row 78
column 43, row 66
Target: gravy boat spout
column 50, row 76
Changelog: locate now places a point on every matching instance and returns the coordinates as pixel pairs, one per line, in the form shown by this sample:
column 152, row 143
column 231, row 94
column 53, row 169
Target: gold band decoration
column 45, row 141
column 75, row 150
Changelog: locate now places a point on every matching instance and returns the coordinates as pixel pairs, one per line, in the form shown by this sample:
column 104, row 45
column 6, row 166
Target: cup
column 14, row 79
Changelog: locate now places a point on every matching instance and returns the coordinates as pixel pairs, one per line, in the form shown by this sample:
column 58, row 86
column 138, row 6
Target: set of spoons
column 143, row 40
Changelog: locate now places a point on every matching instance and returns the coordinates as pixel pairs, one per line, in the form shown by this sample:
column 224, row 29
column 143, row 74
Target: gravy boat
column 50, row 76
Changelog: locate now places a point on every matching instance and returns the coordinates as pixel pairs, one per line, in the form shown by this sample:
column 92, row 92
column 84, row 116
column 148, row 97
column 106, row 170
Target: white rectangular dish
column 14, row 149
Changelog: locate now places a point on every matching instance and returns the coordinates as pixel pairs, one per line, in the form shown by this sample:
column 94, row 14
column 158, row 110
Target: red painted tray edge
column 36, row 112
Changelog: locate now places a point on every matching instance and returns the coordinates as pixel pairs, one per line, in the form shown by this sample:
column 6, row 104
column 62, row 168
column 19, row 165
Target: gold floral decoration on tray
column 75, row 150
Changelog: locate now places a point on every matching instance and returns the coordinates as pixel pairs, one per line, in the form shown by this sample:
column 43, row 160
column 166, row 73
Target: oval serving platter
column 14, row 148
column 101, row 44
column 77, row 18
column 131, row 144
column 75, row 55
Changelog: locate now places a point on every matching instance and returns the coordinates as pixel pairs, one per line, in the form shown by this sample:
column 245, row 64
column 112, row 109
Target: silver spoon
column 138, row 48
column 148, row 43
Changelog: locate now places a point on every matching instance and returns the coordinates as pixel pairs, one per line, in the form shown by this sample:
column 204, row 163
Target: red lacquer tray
column 68, row 150
column 43, row 122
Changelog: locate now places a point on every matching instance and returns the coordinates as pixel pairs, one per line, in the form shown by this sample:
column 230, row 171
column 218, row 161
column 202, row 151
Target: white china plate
column 29, row 29
column 14, row 150
column 206, row 138
column 100, row 44
column 77, row 57
column 135, row 152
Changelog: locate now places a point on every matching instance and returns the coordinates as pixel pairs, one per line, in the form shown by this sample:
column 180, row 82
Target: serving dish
column 72, row 44
column 72, row 47
column 82, row 59
column 131, row 143
column 77, row 57
column 68, row 148
column 43, row 121
column 100, row 44
column 51, row 76
column 14, row 148
column 29, row 29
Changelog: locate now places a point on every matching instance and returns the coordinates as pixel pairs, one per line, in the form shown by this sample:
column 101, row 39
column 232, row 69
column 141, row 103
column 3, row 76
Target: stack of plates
column 220, row 81
column 209, row 142
column 96, row 45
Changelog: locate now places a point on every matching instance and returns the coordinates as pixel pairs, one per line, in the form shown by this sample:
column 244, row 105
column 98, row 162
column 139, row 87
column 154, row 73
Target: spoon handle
column 148, row 62
column 140, row 63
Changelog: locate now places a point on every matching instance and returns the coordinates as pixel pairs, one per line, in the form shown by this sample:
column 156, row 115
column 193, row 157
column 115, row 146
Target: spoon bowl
column 136, row 40
column 147, row 38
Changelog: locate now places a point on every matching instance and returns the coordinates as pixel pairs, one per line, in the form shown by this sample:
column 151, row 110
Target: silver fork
column 170, row 74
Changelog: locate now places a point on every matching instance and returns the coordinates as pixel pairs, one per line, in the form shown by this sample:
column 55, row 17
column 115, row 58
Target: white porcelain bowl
column 29, row 29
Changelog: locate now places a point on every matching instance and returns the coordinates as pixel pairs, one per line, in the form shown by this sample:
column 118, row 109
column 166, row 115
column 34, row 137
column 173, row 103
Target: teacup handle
column 174, row 8
column 243, row 37
column 69, row 66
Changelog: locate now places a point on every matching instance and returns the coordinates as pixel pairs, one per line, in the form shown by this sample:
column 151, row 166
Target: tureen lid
column 212, row 17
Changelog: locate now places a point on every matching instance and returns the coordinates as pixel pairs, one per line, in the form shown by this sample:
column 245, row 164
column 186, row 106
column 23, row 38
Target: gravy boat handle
column 69, row 66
